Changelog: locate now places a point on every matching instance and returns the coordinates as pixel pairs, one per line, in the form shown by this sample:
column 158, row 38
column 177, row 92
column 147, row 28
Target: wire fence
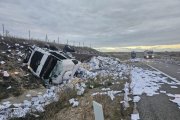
column 6, row 33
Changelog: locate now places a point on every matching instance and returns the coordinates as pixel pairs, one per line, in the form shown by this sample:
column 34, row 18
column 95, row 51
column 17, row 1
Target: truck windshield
column 35, row 60
column 150, row 52
column 48, row 67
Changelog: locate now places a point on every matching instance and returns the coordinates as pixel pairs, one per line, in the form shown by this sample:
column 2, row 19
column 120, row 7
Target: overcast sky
column 109, row 25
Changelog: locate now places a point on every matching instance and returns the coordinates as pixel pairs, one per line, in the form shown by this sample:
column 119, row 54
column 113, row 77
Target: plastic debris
column 135, row 116
column 16, row 73
column 105, row 89
column 5, row 74
column 74, row 102
column 174, row 87
column 2, row 62
column 9, row 87
column 136, row 99
column 161, row 91
column 28, row 95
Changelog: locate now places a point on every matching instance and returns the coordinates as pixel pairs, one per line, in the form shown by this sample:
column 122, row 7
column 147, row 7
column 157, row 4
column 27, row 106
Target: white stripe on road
column 174, row 79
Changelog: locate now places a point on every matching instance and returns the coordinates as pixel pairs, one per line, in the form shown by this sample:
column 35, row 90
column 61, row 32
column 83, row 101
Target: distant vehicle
column 148, row 54
column 49, row 65
column 133, row 54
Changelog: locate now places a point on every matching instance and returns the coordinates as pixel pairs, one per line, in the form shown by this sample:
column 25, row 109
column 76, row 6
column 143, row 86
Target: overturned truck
column 50, row 65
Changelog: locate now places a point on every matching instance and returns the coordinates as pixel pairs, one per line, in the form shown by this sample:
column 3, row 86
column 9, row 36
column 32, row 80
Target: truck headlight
column 147, row 56
column 152, row 56
column 28, row 67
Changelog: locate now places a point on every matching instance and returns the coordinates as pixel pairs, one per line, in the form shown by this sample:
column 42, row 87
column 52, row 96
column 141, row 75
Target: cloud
column 102, row 23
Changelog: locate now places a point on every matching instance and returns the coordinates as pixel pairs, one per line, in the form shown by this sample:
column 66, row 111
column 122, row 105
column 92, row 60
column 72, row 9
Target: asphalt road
column 159, row 107
column 170, row 69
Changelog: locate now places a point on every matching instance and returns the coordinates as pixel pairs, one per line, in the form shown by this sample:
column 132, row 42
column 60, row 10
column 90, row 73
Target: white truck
column 51, row 66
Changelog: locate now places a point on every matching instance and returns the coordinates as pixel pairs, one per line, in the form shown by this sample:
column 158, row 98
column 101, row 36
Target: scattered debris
column 9, row 87
column 16, row 73
column 136, row 99
column 74, row 102
column 174, row 87
column 161, row 91
column 80, row 87
column 2, row 62
column 6, row 74
column 135, row 117
column 126, row 93
column 28, row 95
column 105, row 89
column 111, row 93
column 176, row 99
column 36, row 104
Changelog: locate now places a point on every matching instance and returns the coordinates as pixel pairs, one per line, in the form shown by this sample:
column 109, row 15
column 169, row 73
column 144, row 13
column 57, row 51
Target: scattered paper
column 174, row 87
column 2, row 62
column 135, row 117
column 74, row 102
column 5, row 74
column 136, row 99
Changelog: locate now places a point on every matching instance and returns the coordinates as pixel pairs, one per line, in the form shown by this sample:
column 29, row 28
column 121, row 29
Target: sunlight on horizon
column 174, row 47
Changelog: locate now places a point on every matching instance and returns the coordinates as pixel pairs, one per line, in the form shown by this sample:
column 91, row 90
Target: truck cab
column 148, row 54
column 49, row 65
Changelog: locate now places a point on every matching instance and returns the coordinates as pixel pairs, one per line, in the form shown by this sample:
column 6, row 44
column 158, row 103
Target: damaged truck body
column 49, row 65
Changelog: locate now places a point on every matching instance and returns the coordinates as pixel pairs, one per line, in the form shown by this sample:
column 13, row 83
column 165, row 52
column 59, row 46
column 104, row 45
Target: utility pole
column 83, row 44
column 3, row 29
column 79, row 44
column 67, row 42
column 46, row 38
column 73, row 43
column 29, row 34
